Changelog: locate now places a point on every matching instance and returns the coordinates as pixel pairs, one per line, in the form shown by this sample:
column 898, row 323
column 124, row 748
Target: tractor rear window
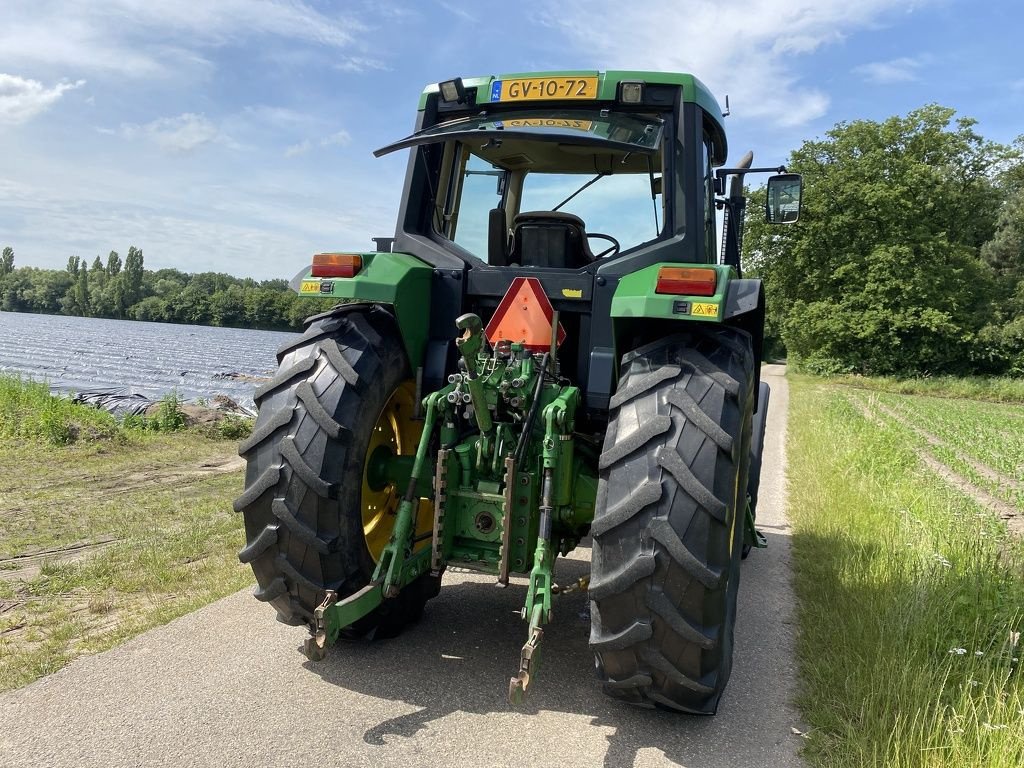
column 613, row 194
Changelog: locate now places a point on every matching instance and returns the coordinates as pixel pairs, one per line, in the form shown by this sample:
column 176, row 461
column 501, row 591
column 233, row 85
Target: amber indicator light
column 687, row 281
column 336, row 264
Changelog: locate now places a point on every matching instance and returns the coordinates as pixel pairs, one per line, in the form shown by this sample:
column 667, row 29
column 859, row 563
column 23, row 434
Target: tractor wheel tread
column 361, row 325
column 644, row 383
column 266, row 539
column 342, row 366
column 284, row 377
column 315, row 409
column 637, row 632
column 648, row 493
column 705, row 367
column 300, row 530
column 660, row 604
column 328, row 325
column 274, row 589
column 661, row 531
column 280, row 418
column 641, row 680
column 682, row 400
column 298, row 577
column 302, row 504
column 659, row 663
column 617, row 581
column 665, row 566
column 633, row 442
column 670, row 459
column 307, row 474
column 265, row 481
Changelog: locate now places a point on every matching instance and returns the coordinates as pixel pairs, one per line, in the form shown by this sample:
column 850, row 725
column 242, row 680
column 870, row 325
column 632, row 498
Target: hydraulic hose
column 531, row 415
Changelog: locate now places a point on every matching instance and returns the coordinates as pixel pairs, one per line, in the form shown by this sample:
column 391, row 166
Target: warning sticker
column 704, row 309
column 310, row 286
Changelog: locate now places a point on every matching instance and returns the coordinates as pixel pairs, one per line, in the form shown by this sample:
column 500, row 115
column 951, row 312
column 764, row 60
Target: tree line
column 908, row 258
column 125, row 289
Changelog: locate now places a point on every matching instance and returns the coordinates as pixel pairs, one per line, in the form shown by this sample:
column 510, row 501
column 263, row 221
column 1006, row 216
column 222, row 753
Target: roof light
column 453, row 90
column 524, row 316
column 687, row 281
column 631, row 93
column 336, row 264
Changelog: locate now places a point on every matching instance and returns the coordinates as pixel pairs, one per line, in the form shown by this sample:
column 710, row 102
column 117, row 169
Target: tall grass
column 910, row 601
column 28, row 410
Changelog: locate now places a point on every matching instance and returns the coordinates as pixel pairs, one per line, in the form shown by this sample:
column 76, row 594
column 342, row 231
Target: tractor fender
column 400, row 282
column 744, row 308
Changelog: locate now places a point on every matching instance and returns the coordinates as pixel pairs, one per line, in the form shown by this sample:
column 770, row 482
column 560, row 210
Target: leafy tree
column 151, row 308
column 113, row 264
column 7, row 261
column 132, row 276
column 882, row 275
column 1005, row 251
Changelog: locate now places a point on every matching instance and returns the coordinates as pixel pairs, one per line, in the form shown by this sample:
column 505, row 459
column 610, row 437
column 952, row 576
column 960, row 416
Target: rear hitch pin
column 315, row 647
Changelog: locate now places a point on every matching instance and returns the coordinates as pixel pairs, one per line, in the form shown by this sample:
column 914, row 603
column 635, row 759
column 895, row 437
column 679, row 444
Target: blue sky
column 236, row 135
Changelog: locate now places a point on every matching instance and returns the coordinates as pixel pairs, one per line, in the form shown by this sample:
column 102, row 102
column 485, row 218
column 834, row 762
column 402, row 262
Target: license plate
column 544, row 89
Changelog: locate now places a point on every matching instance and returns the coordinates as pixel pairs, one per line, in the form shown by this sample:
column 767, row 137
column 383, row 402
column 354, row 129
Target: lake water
column 84, row 353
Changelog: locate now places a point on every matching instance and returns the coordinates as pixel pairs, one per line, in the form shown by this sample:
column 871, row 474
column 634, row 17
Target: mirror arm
column 721, row 173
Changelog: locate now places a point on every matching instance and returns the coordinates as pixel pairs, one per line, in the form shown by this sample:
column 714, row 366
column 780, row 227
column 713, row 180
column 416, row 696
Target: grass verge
column 101, row 538
column 910, row 600
column 992, row 389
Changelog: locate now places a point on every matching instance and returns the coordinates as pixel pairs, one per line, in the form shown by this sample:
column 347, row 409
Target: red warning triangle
column 524, row 316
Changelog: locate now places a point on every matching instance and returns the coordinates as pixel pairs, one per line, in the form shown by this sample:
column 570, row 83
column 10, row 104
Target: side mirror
column 782, row 205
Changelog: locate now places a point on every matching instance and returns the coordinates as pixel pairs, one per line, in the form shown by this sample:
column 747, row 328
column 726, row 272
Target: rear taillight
column 336, row 264
column 687, row 281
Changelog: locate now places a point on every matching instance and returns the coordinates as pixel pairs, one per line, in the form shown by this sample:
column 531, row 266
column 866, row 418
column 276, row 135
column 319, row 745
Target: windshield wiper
column 570, row 197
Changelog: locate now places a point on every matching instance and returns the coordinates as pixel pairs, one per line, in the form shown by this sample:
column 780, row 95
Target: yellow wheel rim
column 397, row 432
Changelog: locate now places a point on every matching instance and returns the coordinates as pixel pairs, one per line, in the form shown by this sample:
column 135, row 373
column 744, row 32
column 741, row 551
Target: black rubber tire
column 668, row 525
column 303, row 479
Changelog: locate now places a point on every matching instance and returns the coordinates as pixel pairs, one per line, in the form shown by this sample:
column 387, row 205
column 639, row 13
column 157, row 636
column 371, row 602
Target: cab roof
column 693, row 90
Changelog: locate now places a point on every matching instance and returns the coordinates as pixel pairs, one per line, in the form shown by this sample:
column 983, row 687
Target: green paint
column 475, row 496
column 635, row 296
column 397, row 279
column 607, row 89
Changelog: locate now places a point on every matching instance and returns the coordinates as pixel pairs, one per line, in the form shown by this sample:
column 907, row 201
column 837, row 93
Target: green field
column 911, row 592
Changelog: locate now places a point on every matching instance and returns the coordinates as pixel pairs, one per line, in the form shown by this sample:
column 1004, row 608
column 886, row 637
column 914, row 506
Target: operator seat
column 549, row 239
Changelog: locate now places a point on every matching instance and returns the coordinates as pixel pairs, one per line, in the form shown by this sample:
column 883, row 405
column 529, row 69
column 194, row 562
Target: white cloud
column 173, row 134
column 337, row 139
column 902, row 70
column 142, row 38
column 748, row 49
column 298, row 149
column 22, row 99
column 458, row 12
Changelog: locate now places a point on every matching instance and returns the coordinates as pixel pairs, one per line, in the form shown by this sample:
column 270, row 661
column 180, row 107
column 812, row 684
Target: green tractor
column 550, row 348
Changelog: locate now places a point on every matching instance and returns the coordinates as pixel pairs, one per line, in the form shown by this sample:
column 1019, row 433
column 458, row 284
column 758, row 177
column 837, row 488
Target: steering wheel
column 611, row 250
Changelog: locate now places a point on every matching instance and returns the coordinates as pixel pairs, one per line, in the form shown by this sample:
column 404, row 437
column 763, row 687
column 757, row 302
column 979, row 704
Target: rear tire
column 668, row 526
column 304, row 474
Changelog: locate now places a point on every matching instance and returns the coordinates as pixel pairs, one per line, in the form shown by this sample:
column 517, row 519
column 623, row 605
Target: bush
column 168, row 417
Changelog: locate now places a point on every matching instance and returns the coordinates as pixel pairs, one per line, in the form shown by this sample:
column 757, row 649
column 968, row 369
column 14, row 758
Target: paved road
column 227, row 686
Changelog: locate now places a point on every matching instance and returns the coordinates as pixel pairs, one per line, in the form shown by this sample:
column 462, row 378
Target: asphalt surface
column 227, row 686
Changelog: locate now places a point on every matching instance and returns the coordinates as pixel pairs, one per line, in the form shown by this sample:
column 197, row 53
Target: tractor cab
column 546, row 188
